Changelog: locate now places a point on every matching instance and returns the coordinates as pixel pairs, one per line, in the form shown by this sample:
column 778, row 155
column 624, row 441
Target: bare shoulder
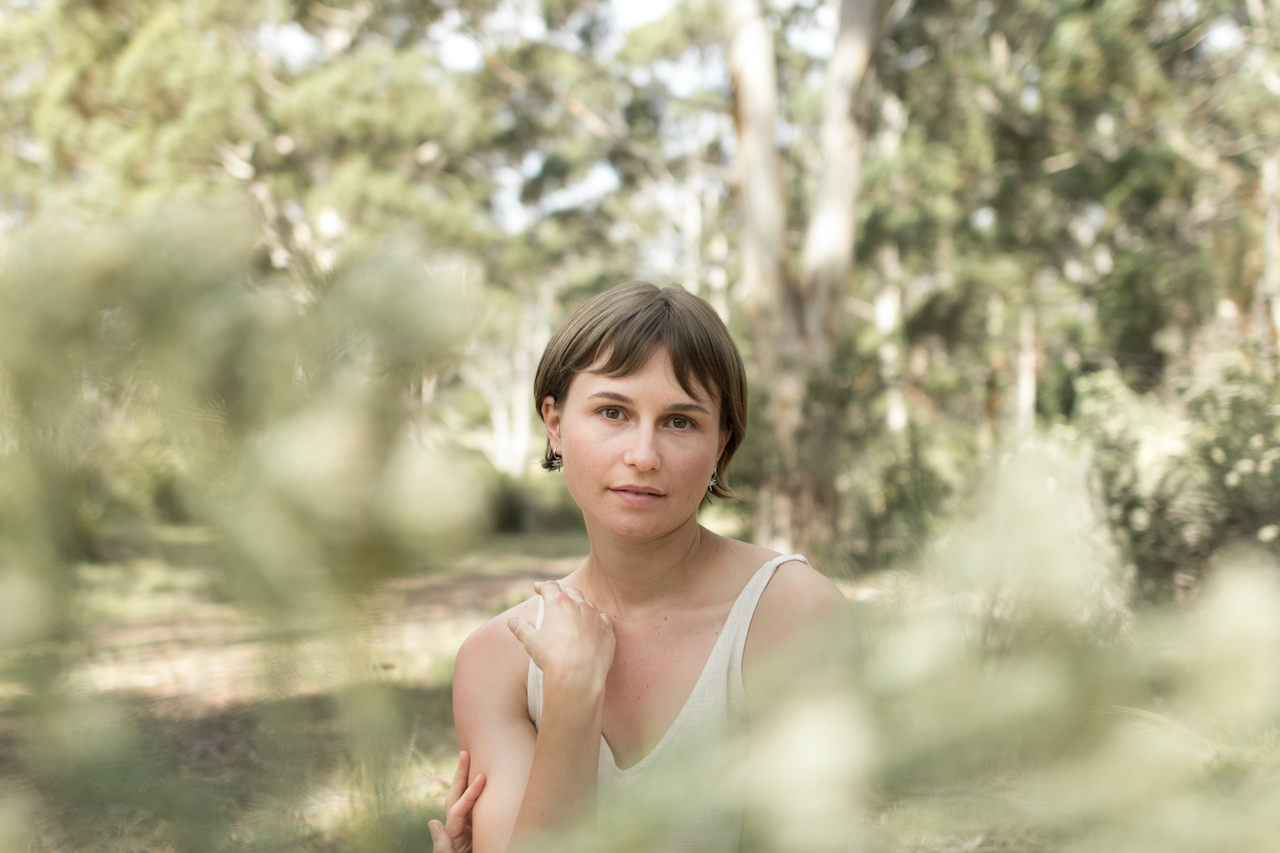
column 798, row 602
column 798, row 597
column 489, row 674
column 493, row 644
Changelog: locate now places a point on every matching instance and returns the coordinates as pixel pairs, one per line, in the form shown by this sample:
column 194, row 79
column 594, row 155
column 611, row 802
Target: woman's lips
column 637, row 496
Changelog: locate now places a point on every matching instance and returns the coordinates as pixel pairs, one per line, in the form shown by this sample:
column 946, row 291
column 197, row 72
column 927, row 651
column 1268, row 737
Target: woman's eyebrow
column 615, row 397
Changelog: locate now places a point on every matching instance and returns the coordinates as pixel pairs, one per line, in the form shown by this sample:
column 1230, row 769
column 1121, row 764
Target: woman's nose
column 643, row 450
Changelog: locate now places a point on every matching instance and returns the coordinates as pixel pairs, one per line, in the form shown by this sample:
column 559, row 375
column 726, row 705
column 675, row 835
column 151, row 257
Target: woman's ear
column 551, row 417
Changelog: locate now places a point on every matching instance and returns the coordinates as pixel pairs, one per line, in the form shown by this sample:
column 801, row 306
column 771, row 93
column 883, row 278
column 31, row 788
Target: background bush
column 1180, row 478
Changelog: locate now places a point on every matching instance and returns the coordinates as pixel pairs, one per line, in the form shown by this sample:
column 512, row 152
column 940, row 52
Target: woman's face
column 638, row 450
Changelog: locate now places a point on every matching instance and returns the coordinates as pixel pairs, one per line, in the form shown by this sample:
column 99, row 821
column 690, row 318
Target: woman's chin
column 639, row 528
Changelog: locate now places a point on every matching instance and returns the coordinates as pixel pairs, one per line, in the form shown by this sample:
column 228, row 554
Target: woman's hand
column 454, row 835
column 574, row 646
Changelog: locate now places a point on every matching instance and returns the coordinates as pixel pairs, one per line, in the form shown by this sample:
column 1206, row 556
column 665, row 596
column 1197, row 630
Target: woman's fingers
column 575, row 641
column 522, row 628
column 440, row 841
column 549, row 590
column 459, row 779
column 458, row 816
column 454, row 835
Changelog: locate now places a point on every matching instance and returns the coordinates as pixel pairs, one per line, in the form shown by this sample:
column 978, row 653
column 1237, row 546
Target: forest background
column 277, row 275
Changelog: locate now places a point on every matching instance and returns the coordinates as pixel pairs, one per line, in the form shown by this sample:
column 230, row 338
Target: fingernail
column 513, row 623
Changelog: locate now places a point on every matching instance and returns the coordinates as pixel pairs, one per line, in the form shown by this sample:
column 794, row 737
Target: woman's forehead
column 658, row 362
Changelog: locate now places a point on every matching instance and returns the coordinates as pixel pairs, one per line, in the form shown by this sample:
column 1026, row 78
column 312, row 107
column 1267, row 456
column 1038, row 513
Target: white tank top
column 695, row 770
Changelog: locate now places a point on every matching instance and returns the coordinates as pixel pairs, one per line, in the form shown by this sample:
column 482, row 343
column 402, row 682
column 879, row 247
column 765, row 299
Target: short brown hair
column 628, row 324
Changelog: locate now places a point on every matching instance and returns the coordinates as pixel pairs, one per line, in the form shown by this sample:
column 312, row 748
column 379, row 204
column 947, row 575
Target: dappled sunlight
column 160, row 631
column 274, row 284
column 160, row 647
column 157, row 640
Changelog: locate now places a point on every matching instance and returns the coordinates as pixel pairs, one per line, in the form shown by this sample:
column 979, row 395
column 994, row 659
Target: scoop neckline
column 702, row 677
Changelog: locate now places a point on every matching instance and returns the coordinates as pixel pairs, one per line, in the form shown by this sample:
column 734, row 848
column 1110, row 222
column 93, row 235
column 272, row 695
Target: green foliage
column 1014, row 697
column 690, row 25
column 150, row 375
column 1178, row 487
column 1042, row 161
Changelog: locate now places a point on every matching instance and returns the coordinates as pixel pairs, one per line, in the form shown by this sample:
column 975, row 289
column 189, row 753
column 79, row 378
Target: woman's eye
column 681, row 423
column 611, row 414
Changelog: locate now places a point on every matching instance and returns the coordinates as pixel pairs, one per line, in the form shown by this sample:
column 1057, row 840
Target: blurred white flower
column 1232, row 671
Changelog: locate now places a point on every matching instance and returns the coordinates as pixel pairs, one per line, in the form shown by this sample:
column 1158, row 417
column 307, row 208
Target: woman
column 618, row 672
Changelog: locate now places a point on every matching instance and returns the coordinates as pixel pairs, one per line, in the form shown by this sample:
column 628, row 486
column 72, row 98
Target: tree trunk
column 1025, row 416
column 888, row 314
column 764, row 215
column 829, row 240
column 691, row 234
column 791, row 321
column 763, row 248
column 1267, row 294
column 503, row 380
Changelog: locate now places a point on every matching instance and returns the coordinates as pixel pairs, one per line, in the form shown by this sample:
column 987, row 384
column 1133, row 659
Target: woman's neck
column 629, row 577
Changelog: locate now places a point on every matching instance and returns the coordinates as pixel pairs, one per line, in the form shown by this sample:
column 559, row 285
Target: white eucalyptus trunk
column 763, row 254
column 1268, row 294
column 789, row 317
column 763, row 245
column 829, row 240
column 888, row 318
column 503, row 378
column 691, row 235
column 1025, row 414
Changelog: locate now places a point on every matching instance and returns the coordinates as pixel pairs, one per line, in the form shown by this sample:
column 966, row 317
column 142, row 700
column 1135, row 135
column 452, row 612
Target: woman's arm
column 536, row 779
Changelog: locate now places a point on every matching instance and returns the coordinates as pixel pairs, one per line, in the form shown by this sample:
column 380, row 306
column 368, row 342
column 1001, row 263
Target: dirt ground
column 252, row 724
column 198, row 656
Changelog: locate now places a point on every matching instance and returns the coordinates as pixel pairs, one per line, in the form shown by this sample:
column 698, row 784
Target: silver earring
column 557, row 461
column 714, row 481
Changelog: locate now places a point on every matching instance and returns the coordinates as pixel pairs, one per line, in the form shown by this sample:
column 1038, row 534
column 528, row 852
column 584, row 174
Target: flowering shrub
column 1182, row 477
